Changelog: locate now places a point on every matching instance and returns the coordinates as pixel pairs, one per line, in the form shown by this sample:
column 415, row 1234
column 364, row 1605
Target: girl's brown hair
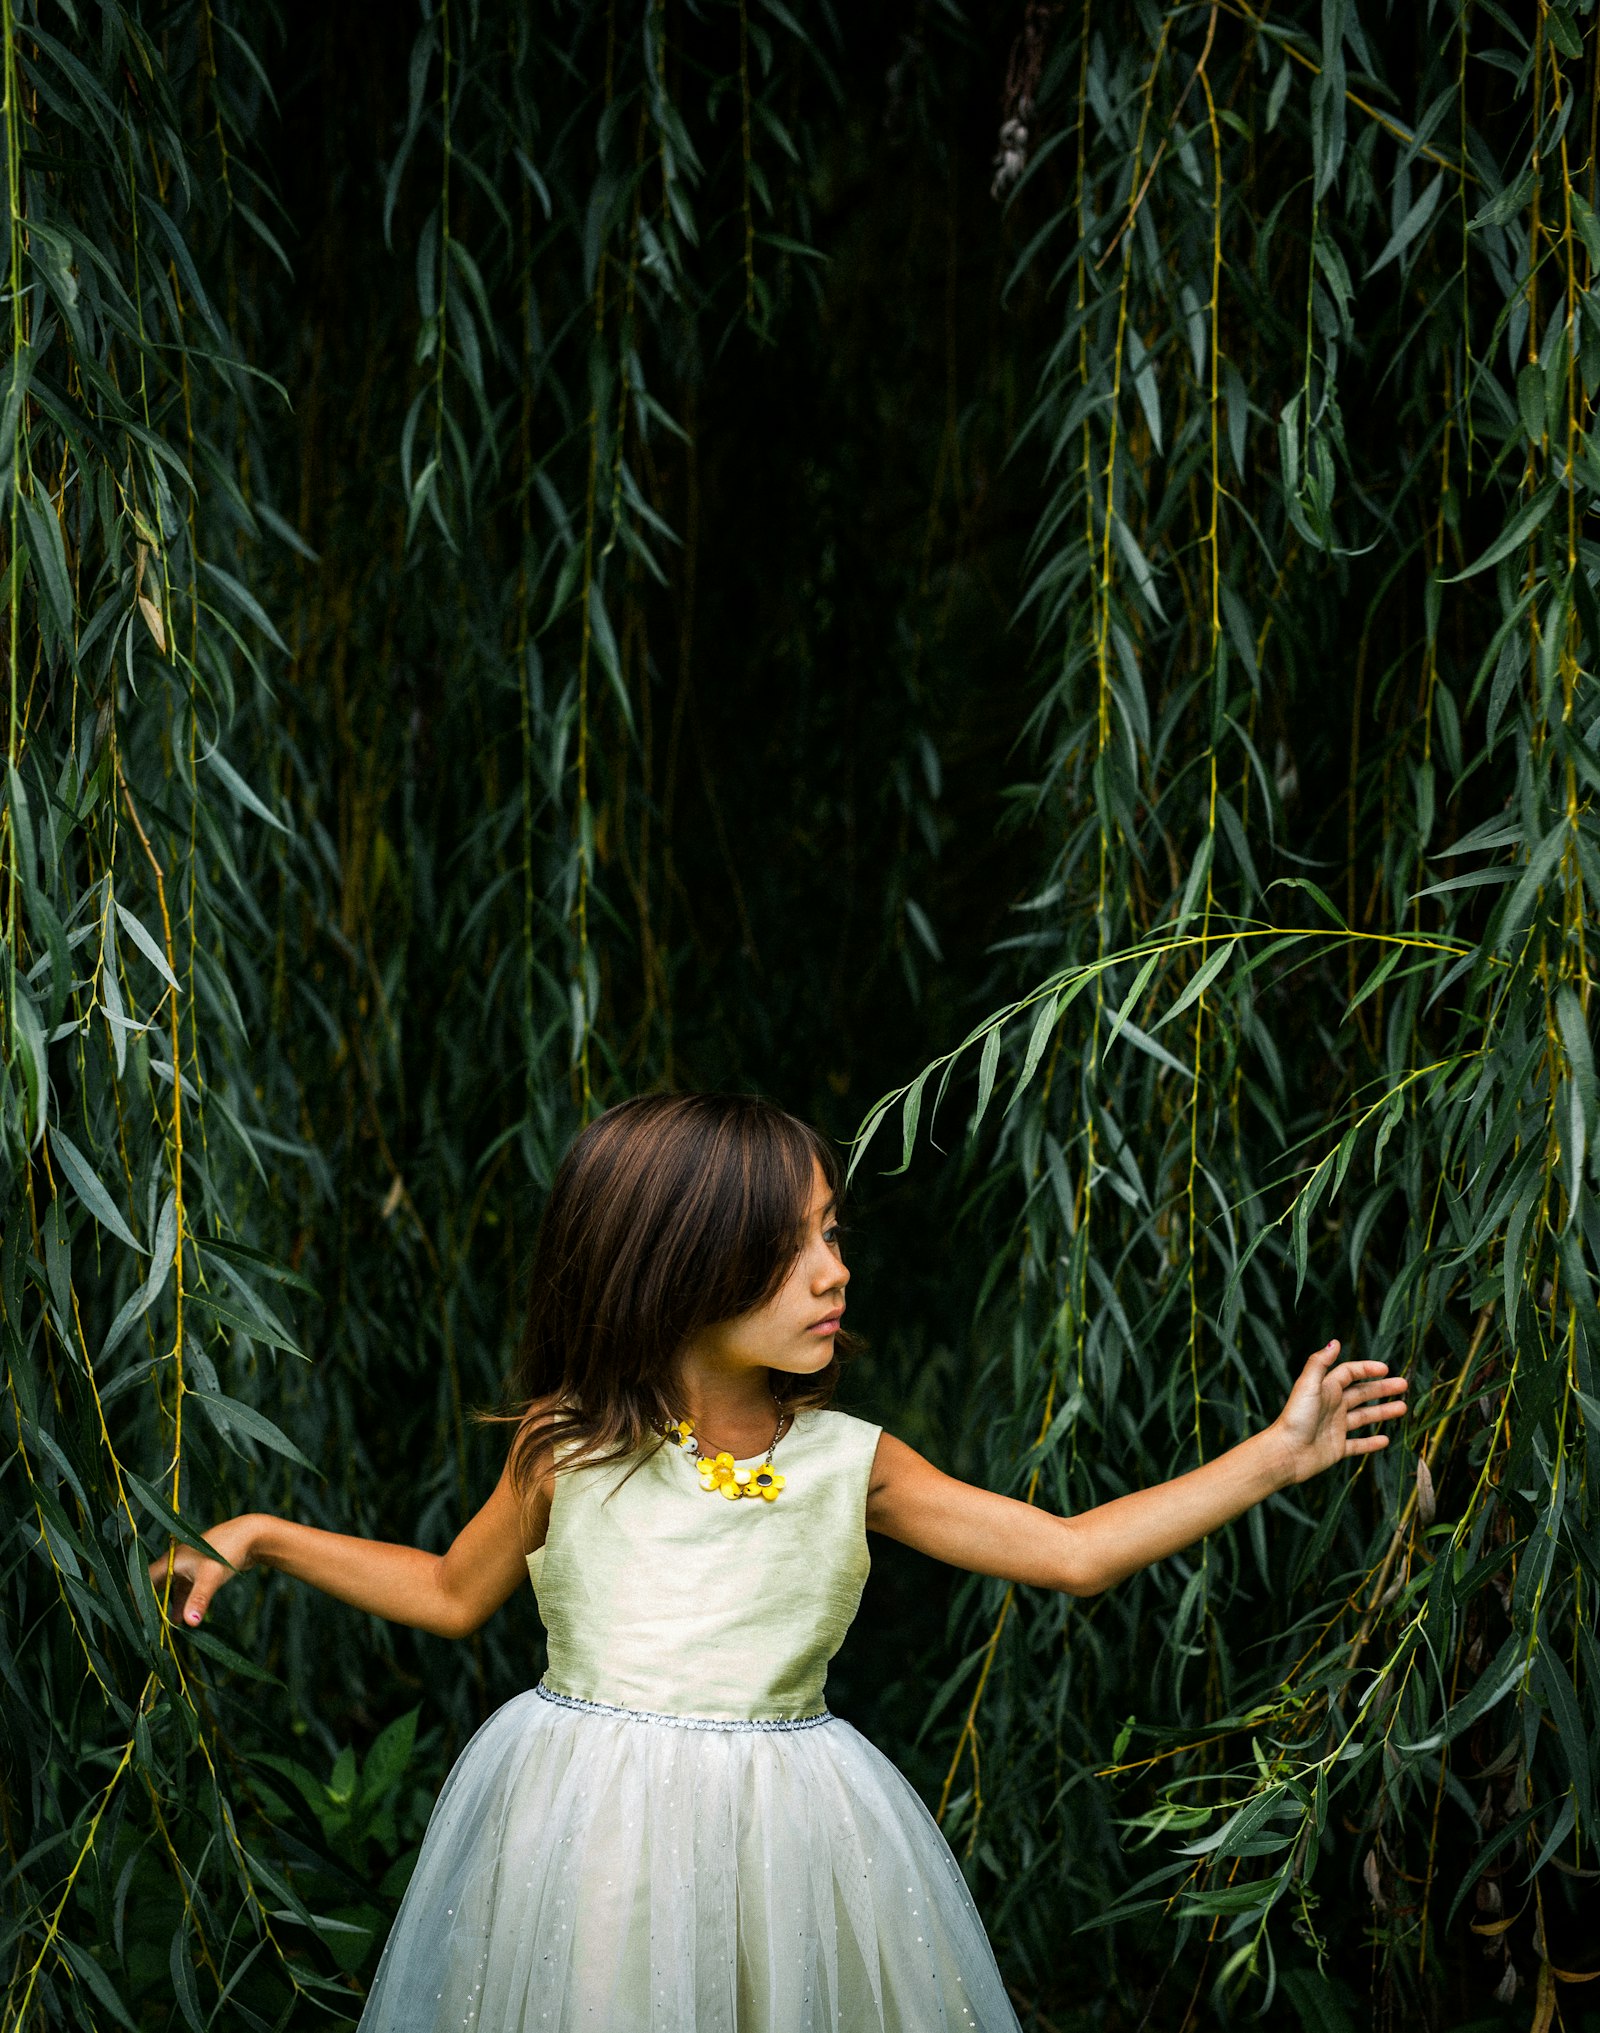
column 669, row 1214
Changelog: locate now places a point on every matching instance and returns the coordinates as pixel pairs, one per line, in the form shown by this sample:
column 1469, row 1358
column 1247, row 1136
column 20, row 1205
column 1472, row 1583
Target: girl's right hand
column 195, row 1579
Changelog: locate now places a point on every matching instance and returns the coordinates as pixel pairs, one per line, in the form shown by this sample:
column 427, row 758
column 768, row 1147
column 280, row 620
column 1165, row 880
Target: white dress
column 670, row 1834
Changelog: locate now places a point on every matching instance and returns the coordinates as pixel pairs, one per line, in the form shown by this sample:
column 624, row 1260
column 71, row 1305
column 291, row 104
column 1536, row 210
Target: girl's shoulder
column 823, row 1426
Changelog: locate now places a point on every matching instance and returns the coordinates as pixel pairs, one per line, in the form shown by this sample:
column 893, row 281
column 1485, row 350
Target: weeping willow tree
column 558, row 549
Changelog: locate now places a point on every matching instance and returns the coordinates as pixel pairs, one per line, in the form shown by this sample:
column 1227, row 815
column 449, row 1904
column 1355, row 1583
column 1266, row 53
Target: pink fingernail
column 193, row 1615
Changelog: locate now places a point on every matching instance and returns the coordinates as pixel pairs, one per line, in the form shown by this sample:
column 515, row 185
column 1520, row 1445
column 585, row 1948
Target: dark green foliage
column 512, row 537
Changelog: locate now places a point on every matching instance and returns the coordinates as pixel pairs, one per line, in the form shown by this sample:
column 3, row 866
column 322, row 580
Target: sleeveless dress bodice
column 659, row 1596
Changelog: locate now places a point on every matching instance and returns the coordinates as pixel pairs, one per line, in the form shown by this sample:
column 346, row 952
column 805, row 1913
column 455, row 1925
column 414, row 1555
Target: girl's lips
column 828, row 1326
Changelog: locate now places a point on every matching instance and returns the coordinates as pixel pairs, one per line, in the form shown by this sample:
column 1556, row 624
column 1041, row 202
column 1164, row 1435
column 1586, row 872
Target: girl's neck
column 731, row 1409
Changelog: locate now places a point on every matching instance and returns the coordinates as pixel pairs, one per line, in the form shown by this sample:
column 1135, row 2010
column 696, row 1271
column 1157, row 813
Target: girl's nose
column 833, row 1273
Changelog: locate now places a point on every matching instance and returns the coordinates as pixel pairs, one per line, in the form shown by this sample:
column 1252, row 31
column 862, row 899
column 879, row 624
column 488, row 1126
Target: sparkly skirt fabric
column 593, row 1868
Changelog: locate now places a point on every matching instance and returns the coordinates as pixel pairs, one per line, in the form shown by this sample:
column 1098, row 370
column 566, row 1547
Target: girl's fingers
column 1349, row 1373
column 190, row 1597
column 1388, row 1389
column 1371, row 1443
column 1361, row 1390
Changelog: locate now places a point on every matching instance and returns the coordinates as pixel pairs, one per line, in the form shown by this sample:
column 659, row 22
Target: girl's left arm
column 1322, row 1424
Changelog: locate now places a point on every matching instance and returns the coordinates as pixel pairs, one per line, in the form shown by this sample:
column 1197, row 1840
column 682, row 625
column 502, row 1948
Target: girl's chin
column 805, row 1361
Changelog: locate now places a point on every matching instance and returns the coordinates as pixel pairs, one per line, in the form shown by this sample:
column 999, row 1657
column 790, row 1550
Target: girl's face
column 795, row 1328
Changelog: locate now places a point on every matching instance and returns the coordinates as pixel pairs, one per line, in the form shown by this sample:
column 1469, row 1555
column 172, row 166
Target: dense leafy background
column 557, row 549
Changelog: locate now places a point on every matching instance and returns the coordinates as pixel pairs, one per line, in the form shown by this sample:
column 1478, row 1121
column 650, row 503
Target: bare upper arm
column 910, row 1500
column 487, row 1560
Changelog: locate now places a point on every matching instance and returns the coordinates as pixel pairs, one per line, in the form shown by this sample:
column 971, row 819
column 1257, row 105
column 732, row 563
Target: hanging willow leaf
column 230, row 1417
column 81, row 1177
column 1516, row 533
column 241, row 790
column 49, row 561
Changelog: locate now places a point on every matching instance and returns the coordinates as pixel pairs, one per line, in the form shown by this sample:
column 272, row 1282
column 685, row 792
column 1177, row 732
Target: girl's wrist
column 258, row 1534
column 1281, row 1455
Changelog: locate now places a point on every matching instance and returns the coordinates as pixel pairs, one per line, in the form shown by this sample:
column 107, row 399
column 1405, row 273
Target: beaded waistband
column 717, row 1722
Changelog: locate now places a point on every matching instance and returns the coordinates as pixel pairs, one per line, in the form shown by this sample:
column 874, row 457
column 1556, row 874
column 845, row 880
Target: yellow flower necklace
column 720, row 1476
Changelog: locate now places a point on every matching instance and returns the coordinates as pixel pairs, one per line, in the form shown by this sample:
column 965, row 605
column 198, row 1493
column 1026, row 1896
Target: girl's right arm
column 450, row 1594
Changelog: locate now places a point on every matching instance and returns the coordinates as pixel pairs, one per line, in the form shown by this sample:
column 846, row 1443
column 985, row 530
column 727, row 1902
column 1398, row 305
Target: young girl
column 670, row 1832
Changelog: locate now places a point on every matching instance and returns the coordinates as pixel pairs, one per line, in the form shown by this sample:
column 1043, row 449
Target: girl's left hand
column 1330, row 1405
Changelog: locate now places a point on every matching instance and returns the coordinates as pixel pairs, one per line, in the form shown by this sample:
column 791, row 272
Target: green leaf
column 247, row 604
column 910, row 1115
column 1141, row 981
column 1579, row 1048
column 95, row 1978
column 258, row 1322
column 229, row 1253
column 870, row 1126
column 987, row 1066
column 241, row 790
column 1143, row 1042
column 156, row 1505
column 1411, row 226
column 1318, row 895
column 146, row 945
column 1502, row 1839
column 1516, row 533
column 1038, row 1038
column 605, row 643
column 162, row 1254
column 231, row 1418
column 49, row 561
column 1588, row 226
column 224, row 1654
column 1541, row 866
column 1197, row 987
column 183, row 1983
column 1554, row 1684
column 32, row 1056
column 86, row 1185
column 390, row 1754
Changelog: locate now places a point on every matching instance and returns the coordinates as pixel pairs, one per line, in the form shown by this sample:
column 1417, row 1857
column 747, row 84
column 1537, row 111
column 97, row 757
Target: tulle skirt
column 595, row 1868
